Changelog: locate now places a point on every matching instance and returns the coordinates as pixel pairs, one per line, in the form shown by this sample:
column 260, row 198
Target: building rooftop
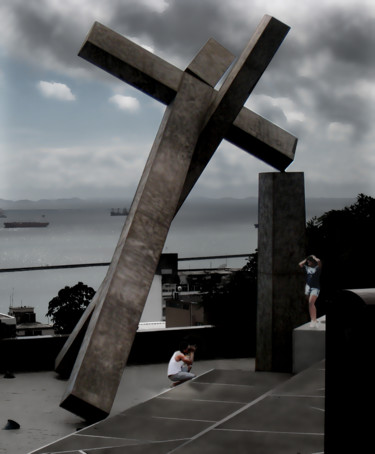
column 7, row 317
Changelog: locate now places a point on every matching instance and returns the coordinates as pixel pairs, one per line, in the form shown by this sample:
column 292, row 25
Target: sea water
column 207, row 227
column 81, row 236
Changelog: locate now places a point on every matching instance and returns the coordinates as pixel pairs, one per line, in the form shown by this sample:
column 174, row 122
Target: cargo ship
column 118, row 212
column 14, row 225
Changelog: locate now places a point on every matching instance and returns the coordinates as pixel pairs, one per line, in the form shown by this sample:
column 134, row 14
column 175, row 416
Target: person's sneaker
column 313, row 324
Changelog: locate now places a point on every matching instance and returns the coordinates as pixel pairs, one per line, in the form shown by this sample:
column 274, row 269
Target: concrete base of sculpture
column 309, row 345
column 281, row 245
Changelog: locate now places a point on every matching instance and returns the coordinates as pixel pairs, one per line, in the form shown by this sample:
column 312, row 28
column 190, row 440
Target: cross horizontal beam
column 154, row 76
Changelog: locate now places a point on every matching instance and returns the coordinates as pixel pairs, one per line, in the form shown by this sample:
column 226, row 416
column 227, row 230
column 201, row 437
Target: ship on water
column 24, row 224
column 119, row 212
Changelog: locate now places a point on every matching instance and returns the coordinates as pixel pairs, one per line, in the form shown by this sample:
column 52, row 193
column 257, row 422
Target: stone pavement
column 220, row 411
column 32, row 400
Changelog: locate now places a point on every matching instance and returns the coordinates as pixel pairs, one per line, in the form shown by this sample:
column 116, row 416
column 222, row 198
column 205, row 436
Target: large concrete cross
column 197, row 119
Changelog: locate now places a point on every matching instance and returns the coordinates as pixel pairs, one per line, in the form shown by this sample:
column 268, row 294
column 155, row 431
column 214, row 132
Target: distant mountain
column 64, row 204
column 194, row 208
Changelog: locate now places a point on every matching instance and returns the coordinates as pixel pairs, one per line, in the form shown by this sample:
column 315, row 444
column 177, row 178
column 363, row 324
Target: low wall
column 154, row 346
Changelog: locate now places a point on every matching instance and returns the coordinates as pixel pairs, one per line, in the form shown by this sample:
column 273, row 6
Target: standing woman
column 312, row 266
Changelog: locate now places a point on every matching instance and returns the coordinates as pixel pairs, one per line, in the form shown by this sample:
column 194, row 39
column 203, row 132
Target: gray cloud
column 319, row 85
column 184, row 26
column 350, row 36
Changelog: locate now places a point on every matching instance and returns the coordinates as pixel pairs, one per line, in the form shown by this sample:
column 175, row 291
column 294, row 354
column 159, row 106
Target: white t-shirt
column 174, row 367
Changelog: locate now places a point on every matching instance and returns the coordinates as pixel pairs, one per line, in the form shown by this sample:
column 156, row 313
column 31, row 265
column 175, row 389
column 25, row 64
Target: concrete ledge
column 309, row 345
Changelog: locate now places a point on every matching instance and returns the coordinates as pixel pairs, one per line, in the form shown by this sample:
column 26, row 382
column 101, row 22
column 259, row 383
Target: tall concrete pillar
column 281, row 246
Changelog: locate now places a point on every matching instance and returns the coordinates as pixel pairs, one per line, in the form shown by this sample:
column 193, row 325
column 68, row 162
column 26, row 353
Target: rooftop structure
column 26, row 324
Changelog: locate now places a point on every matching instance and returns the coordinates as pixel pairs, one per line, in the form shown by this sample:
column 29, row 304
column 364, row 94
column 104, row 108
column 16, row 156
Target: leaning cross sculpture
column 197, row 118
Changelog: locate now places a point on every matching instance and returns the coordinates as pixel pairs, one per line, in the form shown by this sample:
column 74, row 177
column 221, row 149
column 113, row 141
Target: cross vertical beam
column 119, row 303
column 197, row 119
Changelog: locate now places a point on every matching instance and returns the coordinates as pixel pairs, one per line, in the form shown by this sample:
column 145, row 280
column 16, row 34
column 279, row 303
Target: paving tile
column 233, row 442
column 184, row 409
column 310, row 382
column 213, row 391
column 141, row 448
column 219, row 412
column 143, row 428
column 241, row 377
column 281, row 414
column 77, row 442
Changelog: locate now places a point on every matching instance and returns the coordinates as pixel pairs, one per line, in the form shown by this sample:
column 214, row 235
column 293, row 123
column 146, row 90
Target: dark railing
column 88, row 265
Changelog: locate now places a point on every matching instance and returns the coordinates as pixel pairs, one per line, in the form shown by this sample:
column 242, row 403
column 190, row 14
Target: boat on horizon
column 118, row 212
column 23, row 224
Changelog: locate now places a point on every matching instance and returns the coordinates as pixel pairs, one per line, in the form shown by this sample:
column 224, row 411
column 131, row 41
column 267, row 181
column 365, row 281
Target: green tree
column 232, row 305
column 344, row 241
column 67, row 307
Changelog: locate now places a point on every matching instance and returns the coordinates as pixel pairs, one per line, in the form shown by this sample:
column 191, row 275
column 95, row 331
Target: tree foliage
column 344, row 241
column 67, row 307
column 232, row 305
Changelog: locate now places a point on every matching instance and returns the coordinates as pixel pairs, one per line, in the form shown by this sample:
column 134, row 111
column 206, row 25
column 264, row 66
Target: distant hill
column 198, row 207
column 63, row 204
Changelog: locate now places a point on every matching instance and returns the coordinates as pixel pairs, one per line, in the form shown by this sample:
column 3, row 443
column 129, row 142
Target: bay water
column 203, row 227
column 80, row 236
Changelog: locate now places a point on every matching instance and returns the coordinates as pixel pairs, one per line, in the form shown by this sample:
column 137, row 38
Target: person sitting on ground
column 312, row 266
column 181, row 363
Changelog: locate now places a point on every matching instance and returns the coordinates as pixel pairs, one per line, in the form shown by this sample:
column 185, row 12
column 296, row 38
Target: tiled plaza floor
column 221, row 411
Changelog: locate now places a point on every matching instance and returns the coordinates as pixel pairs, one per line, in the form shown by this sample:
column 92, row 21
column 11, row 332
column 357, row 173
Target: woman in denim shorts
column 312, row 266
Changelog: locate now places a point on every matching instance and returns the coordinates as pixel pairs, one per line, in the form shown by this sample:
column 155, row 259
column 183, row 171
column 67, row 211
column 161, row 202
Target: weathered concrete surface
column 234, row 92
column 309, row 345
column 260, row 138
column 193, row 126
column 281, row 244
column 131, row 63
column 160, row 80
column 119, row 303
column 134, row 65
column 147, row 72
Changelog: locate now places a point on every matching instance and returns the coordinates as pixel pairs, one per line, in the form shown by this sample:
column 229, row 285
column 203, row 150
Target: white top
column 174, row 367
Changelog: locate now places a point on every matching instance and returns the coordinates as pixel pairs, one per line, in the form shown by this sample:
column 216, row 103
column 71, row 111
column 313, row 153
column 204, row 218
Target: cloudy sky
column 68, row 129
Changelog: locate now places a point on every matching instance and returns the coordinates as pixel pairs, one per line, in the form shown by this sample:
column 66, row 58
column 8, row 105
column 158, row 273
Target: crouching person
column 180, row 364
